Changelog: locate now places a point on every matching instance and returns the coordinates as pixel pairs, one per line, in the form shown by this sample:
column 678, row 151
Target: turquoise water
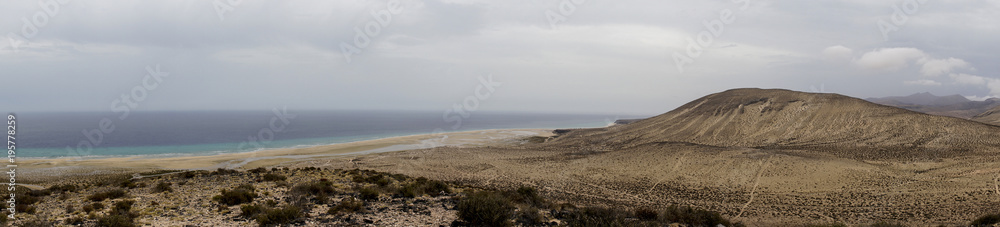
column 159, row 134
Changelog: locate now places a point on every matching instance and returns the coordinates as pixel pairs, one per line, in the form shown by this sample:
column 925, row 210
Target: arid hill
column 783, row 119
column 991, row 116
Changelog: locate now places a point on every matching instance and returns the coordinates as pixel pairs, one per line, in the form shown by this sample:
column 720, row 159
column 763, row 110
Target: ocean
column 107, row 134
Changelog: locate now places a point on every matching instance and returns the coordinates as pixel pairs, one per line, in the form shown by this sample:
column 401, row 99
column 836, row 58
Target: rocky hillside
column 783, row 119
column 991, row 116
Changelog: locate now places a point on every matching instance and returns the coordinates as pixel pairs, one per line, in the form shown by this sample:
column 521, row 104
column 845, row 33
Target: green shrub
column 70, row 209
column 485, row 208
column 109, row 194
column 528, row 195
column 273, row 177
column 24, row 208
column 887, row 224
column 92, row 207
column 28, row 198
column 223, row 171
column 347, row 205
column 646, row 214
column 115, row 220
column 37, row 222
column 529, row 216
column 599, row 216
column 239, row 195
column 284, row 215
column 315, row 188
column 190, row 174
column 162, row 187
column 368, row 194
column 39, row 193
column 97, row 205
column 695, row 217
column 258, row 170
column 986, row 220
column 127, row 184
column 123, row 207
column 827, row 225
column 251, row 210
column 422, row 187
column 75, row 221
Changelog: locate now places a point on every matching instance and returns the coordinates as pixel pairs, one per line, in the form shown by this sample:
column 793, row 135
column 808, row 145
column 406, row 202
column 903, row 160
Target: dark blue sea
column 107, row 134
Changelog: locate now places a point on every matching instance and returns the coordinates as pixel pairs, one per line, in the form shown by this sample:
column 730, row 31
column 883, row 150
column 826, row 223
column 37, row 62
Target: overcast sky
column 543, row 56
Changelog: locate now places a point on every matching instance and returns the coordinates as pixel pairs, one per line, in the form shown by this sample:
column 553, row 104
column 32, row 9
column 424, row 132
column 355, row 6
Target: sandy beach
column 43, row 169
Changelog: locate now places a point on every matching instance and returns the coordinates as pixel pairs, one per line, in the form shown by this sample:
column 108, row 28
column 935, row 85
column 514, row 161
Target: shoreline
column 50, row 167
column 294, row 146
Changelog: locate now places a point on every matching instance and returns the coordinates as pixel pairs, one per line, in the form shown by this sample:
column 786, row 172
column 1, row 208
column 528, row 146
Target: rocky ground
column 189, row 200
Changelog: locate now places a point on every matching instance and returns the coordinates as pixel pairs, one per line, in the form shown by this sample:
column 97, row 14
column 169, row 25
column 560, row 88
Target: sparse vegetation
column 647, row 214
column 277, row 216
column 694, row 217
column 887, row 224
column 986, row 220
column 422, row 186
column 239, row 195
column 485, row 209
column 114, row 220
column 347, row 205
column 75, row 220
column 108, row 194
column 162, row 187
column 273, row 177
column 121, row 215
column 368, row 194
column 315, row 188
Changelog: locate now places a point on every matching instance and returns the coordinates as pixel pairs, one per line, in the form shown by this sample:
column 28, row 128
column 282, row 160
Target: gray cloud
column 613, row 57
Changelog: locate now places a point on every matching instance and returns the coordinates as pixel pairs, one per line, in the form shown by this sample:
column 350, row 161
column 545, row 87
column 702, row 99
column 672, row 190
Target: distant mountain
column 783, row 119
column 991, row 116
column 952, row 105
column 923, row 99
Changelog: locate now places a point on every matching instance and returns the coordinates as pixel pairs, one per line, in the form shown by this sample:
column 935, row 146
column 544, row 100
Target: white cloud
column 838, row 52
column 937, row 67
column 980, row 98
column 992, row 84
column 891, row 59
column 924, row 82
column 962, row 78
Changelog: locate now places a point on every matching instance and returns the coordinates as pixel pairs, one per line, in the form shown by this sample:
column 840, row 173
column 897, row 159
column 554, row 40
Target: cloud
column 923, row 82
column 962, row 78
column 891, row 59
column 937, row 67
column 992, row 84
column 980, row 98
column 838, row 52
